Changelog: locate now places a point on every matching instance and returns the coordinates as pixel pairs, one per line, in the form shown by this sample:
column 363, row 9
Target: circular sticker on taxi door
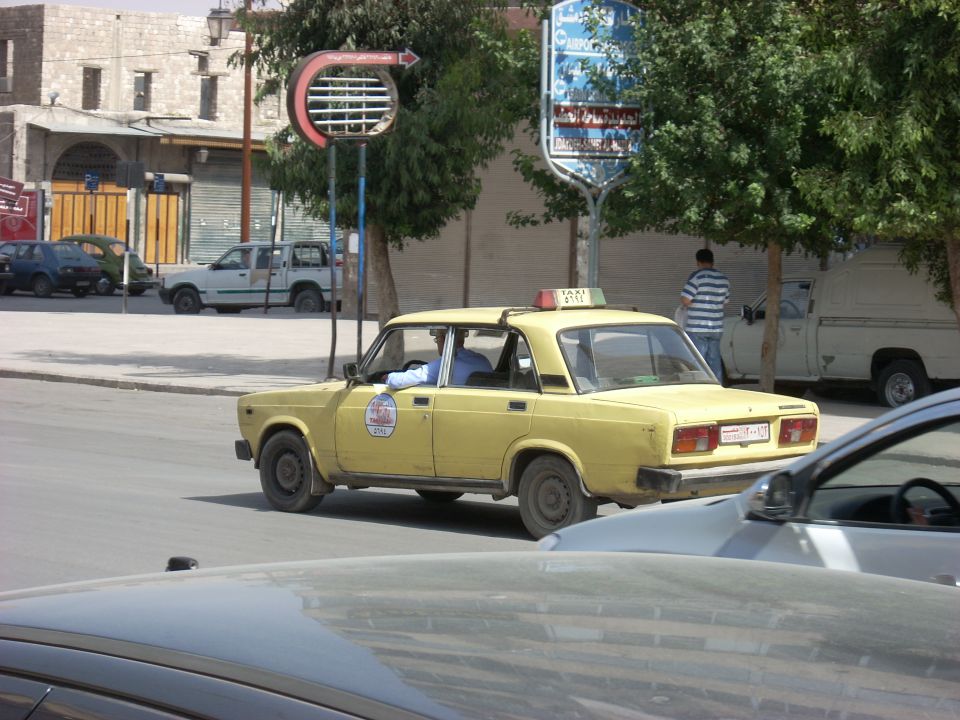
column 381, row 415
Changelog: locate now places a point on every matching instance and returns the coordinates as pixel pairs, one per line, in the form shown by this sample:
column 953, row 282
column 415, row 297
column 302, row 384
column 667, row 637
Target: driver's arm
column 424, row 375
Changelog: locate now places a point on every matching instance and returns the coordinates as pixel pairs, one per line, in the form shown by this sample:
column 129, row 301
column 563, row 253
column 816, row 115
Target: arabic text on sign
column 591, row 144
column 595, row 117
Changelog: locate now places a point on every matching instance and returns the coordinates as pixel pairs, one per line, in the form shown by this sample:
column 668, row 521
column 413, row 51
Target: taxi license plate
column 746, row 433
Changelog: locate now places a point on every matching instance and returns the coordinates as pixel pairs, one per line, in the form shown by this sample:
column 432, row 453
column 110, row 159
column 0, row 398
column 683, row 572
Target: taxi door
column 386, row 432
column 475, row 425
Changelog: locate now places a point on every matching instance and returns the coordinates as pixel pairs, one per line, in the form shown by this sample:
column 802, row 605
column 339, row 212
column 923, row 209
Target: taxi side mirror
column 351, row 371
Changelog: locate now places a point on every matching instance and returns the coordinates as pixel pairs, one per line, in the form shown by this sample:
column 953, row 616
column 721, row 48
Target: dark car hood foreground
column 517, row 635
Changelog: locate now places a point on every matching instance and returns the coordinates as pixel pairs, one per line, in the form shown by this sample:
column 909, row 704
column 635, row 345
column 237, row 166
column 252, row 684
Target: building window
column 91, row 88
column 6, row 65
column 142, row 82
column 208, row 98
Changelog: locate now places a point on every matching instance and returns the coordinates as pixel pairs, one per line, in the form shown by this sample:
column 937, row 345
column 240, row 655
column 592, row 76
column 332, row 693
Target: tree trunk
column 771, row 323
column 388, row 307
column 953, row 264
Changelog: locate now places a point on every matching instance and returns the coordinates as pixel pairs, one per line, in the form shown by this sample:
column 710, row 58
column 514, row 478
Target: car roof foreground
column 528, row 635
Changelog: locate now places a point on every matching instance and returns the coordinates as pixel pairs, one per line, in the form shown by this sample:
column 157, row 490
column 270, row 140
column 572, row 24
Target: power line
column 129, row 57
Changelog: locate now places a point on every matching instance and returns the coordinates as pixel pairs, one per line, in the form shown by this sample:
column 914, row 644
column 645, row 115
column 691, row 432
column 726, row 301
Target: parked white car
column 881, row 499
column 296, row 274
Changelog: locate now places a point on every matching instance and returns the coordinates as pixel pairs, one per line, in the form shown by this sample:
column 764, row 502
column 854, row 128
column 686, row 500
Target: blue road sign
column 592, row 133
column 159, row 183
column 91, row 180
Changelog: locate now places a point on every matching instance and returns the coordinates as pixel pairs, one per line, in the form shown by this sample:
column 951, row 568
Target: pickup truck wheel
column 42, row 286
column 186, row 302
column 285, row 473
column 308, row 301
column 550, row 497
column 104, row 285
column 901, row 382
column 439, row 496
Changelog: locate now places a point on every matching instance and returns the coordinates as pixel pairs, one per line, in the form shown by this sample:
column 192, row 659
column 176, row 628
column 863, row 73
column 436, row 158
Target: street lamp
column 220, row 22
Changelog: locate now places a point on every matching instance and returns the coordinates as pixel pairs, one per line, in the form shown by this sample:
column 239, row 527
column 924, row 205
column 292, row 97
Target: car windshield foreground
column 566, row 404
column 510, row 636
column 885, row 499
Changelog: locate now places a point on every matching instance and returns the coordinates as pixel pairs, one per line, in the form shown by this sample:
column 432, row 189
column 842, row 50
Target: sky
column 197, row 8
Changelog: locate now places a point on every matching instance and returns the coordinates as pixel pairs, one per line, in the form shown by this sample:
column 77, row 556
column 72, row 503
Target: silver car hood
column 709, row 523
column 534, row 635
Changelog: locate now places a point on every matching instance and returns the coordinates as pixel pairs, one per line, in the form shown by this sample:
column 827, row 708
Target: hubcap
column 553, row 499
column 289, row 472
column 900, row 389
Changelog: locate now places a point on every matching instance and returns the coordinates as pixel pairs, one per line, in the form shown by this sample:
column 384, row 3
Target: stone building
column 82, row 89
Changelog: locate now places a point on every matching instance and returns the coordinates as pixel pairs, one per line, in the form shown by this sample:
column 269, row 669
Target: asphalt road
column 99, row 482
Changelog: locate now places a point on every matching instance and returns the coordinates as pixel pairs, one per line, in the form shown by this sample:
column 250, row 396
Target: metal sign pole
column 332, row 200
column 361, row 244
column 275, row 202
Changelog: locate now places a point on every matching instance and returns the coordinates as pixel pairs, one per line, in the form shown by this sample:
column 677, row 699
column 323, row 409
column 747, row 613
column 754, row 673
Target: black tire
column 550, row 497
column 42, row 286
column 187, row 302
column 901, row 382
column 105, row 286
column 7, row 289
column 285, row 473
column 80, row 292
column 309, row 301
column 439, row 496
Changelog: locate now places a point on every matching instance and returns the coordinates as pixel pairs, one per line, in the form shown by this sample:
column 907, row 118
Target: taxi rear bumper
column 697, row 482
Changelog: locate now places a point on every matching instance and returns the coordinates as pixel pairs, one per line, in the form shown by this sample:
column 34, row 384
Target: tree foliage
column 894, row 68
column 458, row 105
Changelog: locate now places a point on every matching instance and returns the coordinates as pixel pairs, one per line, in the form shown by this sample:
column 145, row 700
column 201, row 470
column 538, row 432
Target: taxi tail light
column 701, row 438
column 797, row 431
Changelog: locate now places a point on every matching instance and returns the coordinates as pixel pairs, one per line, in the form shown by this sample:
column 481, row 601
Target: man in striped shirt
column 705, row 294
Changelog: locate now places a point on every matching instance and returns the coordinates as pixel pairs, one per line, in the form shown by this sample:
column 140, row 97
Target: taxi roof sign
column 559, row 298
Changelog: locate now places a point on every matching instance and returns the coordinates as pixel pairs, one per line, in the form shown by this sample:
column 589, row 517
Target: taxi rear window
column 627, row 356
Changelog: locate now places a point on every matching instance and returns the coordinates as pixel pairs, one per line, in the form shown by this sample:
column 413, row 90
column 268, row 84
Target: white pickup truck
column 298, row 275
column 867, row 322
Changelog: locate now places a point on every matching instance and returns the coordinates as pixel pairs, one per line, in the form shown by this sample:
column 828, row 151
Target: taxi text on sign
column 592, row 133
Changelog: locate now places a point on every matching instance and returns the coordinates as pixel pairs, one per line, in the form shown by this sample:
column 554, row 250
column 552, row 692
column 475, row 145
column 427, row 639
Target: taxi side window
column 402, row 349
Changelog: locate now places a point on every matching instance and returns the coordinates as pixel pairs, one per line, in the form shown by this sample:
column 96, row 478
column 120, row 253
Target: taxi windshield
column 613, row 357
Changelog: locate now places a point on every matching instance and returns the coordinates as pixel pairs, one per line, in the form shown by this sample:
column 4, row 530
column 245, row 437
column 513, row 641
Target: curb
column 122, row 384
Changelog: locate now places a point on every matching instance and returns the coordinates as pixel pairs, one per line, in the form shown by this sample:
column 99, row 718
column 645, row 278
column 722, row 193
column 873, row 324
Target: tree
column 894, row 66
column 733, row 110
column 458, row 105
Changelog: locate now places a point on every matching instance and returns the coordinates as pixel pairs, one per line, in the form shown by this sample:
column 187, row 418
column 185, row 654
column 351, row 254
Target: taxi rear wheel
column 550, row 497
column 441, row 496
column 285, row 473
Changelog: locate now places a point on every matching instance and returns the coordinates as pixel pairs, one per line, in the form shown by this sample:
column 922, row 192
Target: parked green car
column 108, row 252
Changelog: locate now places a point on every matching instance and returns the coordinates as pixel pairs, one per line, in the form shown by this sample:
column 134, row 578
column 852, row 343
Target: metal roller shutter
column 215, row 206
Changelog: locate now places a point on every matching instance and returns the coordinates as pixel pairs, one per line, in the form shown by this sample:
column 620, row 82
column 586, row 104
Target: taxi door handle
column 517, row 405
column 421, row 402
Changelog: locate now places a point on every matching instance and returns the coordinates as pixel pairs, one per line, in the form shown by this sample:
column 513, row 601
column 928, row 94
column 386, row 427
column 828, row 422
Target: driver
column 465, row 362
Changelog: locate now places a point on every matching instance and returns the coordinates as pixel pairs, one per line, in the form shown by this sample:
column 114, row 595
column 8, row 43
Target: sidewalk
column 215, row 354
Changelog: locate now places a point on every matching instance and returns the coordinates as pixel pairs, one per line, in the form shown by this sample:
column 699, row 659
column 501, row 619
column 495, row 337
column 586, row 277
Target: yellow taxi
column 566, row 404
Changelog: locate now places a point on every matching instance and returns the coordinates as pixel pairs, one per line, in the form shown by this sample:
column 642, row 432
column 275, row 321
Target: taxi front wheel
column 285, row 473
column 550, row 497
